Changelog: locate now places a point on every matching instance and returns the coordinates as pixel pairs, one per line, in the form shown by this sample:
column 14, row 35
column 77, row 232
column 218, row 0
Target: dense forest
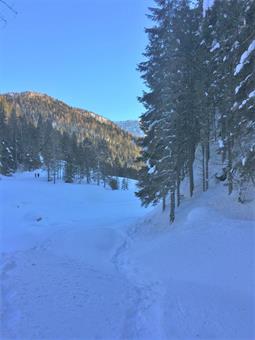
column 39, row 131
column 199, row 70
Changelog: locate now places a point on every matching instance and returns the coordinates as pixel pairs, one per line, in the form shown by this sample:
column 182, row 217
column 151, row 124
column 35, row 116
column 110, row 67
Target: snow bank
column 202, row 268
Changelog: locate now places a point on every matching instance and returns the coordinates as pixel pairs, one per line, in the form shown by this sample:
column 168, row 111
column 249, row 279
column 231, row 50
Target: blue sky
column 83, row 52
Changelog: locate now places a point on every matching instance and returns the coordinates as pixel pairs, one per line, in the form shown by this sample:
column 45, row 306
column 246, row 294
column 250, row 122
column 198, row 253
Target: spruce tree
column 243, row 106
column 7, row 162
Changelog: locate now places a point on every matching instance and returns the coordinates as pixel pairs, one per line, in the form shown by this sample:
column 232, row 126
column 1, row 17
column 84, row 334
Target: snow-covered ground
column 84, row 262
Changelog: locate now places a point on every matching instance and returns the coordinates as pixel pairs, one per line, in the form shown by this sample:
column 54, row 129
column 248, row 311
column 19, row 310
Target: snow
column 244, row 102
column 58, row 244
column 251, row 94
column 215, row 46
column 151, row 170
column 235, row 46
column 221, row 143
column 242, row 83
column 84, row 262
column 244, row 57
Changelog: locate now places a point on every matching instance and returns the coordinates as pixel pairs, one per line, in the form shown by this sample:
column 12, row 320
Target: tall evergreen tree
column 199, row 74
column 7, row 163
column 243, row 107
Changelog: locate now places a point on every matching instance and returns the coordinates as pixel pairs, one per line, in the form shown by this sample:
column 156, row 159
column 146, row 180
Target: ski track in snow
column 144, row 304
column 75, row 289
column 143, row 320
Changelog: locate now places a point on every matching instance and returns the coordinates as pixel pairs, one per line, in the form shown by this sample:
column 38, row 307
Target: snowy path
column 143, row 321
column 61, row 269
column 82, row 262
column 52, row 298
column 74, row 264
column 44, row 294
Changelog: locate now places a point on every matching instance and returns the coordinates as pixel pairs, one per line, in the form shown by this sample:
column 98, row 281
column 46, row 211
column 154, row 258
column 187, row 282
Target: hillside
column 118, row 148
column 32, row 105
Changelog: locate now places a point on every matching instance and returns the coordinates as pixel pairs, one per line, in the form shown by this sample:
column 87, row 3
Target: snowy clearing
column 84, row 262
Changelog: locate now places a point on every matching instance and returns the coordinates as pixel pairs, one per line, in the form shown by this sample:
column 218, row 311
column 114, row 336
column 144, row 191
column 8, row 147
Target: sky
column 83, row 52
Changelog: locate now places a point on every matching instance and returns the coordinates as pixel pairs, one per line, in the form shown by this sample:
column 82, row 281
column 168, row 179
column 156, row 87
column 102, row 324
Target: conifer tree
column 199, row 73
column 153, row 72
column 243, row 107
column 7, row 163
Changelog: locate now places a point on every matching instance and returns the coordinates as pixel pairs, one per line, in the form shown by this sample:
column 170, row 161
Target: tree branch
column 3, row 19
column 9, row 7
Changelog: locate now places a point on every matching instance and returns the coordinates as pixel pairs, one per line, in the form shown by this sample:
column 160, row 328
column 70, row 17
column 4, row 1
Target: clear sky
column 83, row 52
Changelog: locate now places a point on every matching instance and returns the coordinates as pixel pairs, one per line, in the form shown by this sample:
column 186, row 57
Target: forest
column 200, row 98
column 39, row 131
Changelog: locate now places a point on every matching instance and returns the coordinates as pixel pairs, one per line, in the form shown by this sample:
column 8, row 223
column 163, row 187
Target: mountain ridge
column 117, row 146
column 62, row 102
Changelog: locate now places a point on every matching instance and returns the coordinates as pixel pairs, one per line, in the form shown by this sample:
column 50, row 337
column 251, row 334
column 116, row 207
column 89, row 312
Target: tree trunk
column 48, row 173
column 191, row 172
column 172, row 206
column 207, row 157
column 164, row 203
column 178, row 190
column 203, row 167
column 191, row 178
column 229, row 174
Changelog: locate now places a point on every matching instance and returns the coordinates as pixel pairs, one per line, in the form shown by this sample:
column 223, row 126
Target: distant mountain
column 131, row 126
column 32, row 105
column 119, row 147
